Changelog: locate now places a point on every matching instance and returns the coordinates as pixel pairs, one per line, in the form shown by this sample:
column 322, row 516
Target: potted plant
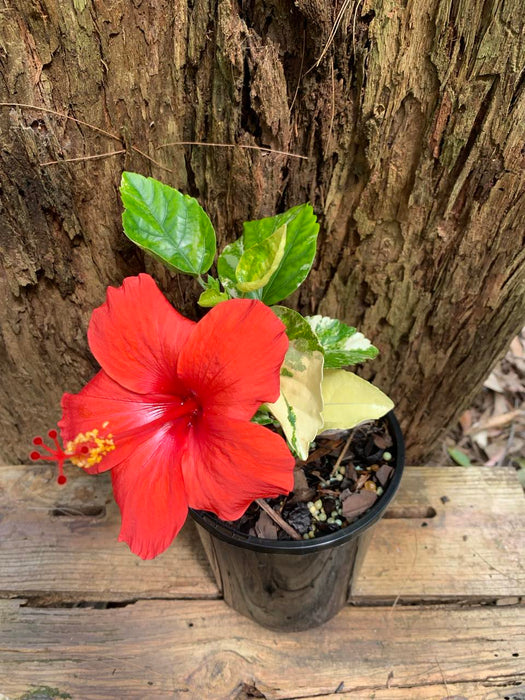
column 247, row 418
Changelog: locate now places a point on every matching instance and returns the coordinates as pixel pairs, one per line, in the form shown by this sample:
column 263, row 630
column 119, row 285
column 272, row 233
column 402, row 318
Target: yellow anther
column 97, row 448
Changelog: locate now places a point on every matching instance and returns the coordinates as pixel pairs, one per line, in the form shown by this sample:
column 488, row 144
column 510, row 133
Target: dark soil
column 327, row 497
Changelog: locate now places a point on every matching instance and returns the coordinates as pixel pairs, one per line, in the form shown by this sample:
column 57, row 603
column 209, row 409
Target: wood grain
column 200, row 650
column 472, row 548
column 412, row 124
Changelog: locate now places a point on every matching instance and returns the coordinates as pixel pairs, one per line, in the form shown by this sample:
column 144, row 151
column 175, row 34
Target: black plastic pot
column 293, row 585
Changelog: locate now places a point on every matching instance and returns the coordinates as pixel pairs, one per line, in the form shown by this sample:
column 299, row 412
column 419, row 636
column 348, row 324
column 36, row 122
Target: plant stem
column 277, row 518
column 202, row 282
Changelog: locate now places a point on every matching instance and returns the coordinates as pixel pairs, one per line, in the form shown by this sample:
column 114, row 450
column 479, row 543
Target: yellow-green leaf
column 350, row 400
column 299, row 406
column 258, row 263
column 211, row 297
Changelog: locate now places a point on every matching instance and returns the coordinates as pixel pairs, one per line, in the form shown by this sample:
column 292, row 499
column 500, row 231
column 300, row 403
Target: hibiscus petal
column 230, row 463
column 107, row 407
column 136, row 336
column 149, row 490
column 233, row 357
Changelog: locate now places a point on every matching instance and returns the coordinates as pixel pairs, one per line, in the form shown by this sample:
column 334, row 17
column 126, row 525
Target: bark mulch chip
column 328, row 496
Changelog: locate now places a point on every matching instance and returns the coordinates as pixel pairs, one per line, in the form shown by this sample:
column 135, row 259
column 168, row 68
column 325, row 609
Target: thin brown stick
column 23, row 105
column 332, row 116
column 300, row 72
column 342, row 453
column 332, row 34
column 354, row 21
column 60, row 114
column 156, row 162
column 277, row 518
column 233, row 145
column 74, row 160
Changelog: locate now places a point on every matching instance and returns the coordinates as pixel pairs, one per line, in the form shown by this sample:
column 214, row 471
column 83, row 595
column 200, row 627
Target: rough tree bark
column 412, row 123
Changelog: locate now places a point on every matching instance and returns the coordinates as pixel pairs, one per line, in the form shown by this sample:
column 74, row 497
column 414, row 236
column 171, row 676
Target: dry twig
column 277, row 518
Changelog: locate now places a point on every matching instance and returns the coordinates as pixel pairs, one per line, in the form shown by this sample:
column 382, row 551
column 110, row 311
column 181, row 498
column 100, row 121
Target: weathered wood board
column 202, row 650
column 471, row 546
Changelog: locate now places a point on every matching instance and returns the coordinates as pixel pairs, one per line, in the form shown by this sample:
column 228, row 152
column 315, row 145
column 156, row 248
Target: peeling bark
column 413, row 128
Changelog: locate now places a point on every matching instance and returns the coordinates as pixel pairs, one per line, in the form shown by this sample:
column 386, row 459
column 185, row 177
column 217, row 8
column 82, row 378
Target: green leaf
column 342, row 344
column 297, row 329
column 459, row 457
column 262, row 417
column 350, row 400
column 212, row 283
column 299, row 406
column 227, row 264
column 211, row 297
column 170, row 225
column 258, row 263
column 299, row 252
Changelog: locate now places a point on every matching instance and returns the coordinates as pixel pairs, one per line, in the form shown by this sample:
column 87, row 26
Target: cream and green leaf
column 342, row 345
column 299, row 406
column 301, row 242
column 227, row 264
column 258, row 263
column 350, row 400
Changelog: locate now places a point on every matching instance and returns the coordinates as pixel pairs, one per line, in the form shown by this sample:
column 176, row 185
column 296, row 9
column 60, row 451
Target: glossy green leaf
column 342, row 344
column 299, row 252
column 258, row 263
column 299, row 406
column 211, row 297
column 227, row 264
column 350, row 400
column 459, row 457
column 170, row 225
column 298, row 329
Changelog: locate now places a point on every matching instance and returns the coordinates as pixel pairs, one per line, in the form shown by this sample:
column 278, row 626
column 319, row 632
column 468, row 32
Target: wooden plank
column 202, row 649
column 471, row 548
column 75, row 557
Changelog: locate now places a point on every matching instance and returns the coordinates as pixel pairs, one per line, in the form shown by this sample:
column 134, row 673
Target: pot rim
column 227, row 533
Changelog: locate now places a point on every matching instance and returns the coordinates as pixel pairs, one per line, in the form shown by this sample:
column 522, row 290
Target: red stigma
column 54, row 454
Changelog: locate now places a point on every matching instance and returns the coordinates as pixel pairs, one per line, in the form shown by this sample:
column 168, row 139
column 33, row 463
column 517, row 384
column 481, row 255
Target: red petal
column 233, row 356
column 149, row 490
column 129, row 416
column 136, row 336
column 230, row 463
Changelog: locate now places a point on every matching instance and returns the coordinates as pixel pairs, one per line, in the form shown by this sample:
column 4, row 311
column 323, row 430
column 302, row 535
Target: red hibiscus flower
column 169, row 412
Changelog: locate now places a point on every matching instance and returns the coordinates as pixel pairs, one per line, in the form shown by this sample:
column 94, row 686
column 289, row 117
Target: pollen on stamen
column 85, row 450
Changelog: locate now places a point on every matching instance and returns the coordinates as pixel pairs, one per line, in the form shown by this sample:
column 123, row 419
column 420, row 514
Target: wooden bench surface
column 437, row 608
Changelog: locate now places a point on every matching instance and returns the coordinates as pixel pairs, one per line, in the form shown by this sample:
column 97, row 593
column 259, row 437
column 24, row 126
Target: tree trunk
column 411, row 121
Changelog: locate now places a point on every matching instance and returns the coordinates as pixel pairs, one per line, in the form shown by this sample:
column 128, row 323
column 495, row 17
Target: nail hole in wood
column 410, row 512
column 85, row 511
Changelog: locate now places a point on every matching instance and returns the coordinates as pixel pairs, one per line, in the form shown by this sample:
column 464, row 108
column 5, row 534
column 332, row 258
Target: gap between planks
column 470, row 549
